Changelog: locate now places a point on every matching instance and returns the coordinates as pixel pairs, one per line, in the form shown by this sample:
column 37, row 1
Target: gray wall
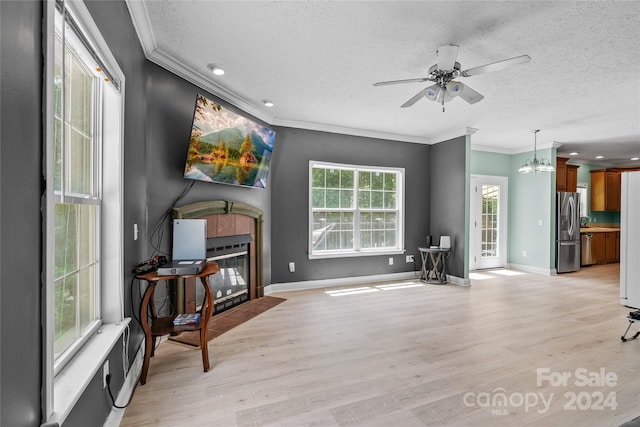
column 20, row 224
column 448, row 181
column 21, row 242
column 290, row 200
column 170, row 105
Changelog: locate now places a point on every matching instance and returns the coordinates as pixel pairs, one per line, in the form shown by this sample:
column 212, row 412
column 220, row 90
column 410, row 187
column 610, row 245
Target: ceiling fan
column 445, row 71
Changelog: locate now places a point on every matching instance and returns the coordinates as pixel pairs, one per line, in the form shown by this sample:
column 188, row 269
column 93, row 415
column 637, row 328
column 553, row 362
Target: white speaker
column 445, row 242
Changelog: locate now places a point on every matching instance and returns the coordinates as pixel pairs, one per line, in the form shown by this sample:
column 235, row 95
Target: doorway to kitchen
column 488, row 222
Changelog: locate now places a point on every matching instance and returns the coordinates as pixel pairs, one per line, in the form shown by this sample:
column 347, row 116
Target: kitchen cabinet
column 605, row 190
column 598, row 248
column 572, row 178
column 561, row 174
column 610, row 247
column 605, row 245
column 566, row 176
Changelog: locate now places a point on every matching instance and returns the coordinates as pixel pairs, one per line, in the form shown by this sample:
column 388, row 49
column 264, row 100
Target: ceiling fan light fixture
column 536, row 165
column 433, row 93
column 454, row 88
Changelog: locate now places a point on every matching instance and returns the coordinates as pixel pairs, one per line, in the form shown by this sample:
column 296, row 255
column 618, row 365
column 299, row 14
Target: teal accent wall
column 531, row 198
column 492, row 164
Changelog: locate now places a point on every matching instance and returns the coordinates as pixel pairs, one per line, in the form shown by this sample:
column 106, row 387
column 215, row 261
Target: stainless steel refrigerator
column 568, row 232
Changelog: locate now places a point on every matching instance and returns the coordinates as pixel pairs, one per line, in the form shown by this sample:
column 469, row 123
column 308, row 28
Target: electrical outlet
column 105, row 372
column 410, row 258
column 390, row 260
column 524, row 254
column 292, row 267
column 539, row 222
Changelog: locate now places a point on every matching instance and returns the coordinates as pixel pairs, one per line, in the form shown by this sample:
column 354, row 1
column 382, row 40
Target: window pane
column 377, row 199
column 333, row 178
column 75, row 279
column 86, row 296
column 377, row 181
column 79, row 163
column 346, row 199
column 332, row 230
column 65, row 312
column 346, row 180
column 389, row 200
column 364, row 199
column 365, row 180
column 317, row 177
column 66, row 241
column 318, row 198
column 390, row 181
column 333, row 198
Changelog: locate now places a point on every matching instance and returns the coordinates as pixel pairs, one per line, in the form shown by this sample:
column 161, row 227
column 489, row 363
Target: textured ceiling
column 317, row 62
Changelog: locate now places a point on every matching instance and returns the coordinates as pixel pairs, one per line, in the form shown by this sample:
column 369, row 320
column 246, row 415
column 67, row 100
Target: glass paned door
column 488, row 222
column 490, row 244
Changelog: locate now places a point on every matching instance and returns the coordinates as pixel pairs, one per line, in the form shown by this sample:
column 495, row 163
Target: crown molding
column 141, row 23
column 350, row 131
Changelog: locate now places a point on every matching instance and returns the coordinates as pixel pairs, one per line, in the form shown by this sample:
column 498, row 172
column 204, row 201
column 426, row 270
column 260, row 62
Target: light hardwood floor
column 438, row 355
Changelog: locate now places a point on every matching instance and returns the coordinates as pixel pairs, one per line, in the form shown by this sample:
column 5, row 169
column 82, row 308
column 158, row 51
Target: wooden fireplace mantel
column 228, row 218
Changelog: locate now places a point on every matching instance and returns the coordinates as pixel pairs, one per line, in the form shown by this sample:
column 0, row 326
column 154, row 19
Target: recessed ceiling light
column 216, row 69
column 267, row 103
column 599, row 157
column 574, row 153
column 635, row 158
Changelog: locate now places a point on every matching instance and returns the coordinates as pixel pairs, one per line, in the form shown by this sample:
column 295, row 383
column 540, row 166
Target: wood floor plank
column 412, row 355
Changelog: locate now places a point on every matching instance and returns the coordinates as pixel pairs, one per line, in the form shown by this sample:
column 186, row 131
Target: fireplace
column 234, row 241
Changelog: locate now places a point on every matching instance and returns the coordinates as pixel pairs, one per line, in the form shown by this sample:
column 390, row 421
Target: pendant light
column 537, row 165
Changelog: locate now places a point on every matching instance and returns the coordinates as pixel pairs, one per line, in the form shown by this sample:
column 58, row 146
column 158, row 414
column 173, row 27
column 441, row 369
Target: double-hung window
column 77, row 193
column 355, row 210
column 83, row 150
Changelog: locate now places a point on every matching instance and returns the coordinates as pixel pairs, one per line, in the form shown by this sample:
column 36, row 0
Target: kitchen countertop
column 599, row 229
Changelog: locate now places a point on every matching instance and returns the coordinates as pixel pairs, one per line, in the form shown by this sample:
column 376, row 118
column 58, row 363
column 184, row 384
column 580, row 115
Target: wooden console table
column 160, row 326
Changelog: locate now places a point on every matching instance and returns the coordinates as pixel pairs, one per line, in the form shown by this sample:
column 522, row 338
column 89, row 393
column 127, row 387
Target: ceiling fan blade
column 415, row 98
column 447, row 56
column 469, row 95
column 394, row 82
column 496, row 66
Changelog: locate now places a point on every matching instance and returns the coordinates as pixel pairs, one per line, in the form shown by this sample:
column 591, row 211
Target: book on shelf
column 186, row 319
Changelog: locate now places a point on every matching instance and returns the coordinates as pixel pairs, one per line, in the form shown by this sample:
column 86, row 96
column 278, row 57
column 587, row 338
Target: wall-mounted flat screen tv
column 227, row 148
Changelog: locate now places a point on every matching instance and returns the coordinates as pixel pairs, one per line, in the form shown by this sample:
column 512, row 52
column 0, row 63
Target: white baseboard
column 340, row 281
column 530, row 269
column 130, row 383
column 458, row 280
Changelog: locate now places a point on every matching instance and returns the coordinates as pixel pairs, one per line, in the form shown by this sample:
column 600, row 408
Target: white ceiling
column 317, row 62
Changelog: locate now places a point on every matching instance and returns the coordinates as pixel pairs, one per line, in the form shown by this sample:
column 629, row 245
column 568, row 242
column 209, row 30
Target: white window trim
column 61, row 393
column 359, row 252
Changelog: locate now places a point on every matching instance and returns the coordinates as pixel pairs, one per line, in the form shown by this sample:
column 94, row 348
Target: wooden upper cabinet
column 572, row 178
column 605, row 190
column 561, row 174
column 566, row 176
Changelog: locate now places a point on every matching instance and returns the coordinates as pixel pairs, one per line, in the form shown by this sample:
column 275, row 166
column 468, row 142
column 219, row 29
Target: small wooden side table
column 434, row 264
column 160, row 326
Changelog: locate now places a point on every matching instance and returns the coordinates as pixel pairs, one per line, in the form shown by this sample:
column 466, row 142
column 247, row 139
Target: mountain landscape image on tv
column 227, row 148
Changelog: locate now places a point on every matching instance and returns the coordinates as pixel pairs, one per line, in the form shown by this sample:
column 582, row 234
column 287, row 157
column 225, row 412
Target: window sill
column 346, row 254
column 76, row 376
